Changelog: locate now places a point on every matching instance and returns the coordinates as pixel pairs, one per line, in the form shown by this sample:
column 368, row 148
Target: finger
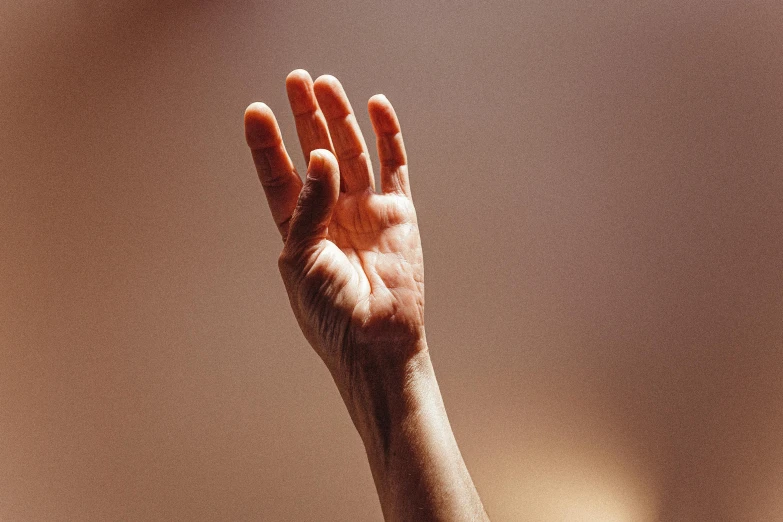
column 275, row 170
column 349, row 146
column 310, row 122
column 317, row 200
column 391, row 150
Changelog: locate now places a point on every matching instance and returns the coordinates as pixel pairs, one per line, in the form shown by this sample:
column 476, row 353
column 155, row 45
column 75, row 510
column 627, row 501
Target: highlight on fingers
column 275, row 170
column 391, row 149
column 311, row 125
column 299, row 82
column 349, row 145
column 261, row 129
column 331, row 96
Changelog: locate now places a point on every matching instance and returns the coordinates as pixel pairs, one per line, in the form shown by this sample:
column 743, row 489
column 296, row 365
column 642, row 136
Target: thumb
column 317, row 198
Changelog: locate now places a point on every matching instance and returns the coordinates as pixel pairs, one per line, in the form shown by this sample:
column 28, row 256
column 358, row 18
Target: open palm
column 352, row 260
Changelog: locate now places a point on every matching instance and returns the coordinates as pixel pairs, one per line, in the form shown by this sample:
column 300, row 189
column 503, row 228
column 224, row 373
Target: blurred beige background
column 600, row 191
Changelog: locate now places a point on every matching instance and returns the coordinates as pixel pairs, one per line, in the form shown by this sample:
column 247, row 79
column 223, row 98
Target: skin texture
column 353, row 268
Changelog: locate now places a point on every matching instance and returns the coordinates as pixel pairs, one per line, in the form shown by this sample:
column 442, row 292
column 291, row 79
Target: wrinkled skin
column 352, row 261
column 352, row 266
column 361, row 287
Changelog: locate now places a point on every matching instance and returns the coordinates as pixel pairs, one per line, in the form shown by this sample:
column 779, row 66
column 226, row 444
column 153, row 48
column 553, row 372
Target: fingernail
column 316, row 161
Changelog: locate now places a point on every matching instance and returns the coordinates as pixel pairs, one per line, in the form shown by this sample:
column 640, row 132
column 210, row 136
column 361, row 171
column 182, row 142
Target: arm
column 352, row 266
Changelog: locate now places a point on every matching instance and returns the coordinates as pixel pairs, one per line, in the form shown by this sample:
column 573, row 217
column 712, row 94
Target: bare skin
column 353, row 268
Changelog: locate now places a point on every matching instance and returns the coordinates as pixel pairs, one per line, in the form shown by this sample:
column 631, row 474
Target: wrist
column 415, row 462
column 383, row 393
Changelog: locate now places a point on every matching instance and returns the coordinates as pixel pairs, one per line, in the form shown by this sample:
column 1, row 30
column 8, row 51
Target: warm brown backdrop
column 600, row 190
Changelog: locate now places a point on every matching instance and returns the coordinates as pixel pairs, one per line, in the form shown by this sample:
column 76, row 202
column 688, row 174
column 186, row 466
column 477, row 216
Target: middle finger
column 349, row 145
column 310, row 122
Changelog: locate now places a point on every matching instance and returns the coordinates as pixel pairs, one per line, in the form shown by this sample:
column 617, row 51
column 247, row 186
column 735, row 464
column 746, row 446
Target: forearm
column 415, row 462
column 353, row 269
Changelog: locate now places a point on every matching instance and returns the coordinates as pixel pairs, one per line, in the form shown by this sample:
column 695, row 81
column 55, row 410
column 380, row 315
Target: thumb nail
column 316, row 163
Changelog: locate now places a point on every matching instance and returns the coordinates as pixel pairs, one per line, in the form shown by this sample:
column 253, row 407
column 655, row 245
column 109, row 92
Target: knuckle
column 272, row 180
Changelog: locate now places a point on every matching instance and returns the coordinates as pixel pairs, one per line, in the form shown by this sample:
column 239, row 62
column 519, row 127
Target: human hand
column 352, row 261
column 352, row 267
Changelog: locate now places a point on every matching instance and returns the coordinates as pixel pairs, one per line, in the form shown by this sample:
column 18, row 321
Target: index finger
column 275, row 170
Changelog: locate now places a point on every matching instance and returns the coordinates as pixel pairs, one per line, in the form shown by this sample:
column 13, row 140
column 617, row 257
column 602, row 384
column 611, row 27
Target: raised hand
column 352, row 261
column 352, row 266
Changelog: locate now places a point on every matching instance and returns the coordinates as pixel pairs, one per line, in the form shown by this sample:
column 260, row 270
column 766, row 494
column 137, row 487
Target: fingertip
column 327, row 81
column 331, row 96
column 316, row 161
column 327, row 87
column 378, row 105
column 323, row 175
column 299, row 87
column 260, row 126
column 322, row 160
column 316, row 199
column 378, row 100
column 382, row 114
column 323, row 167
column 256, row 110
column 298, row 75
